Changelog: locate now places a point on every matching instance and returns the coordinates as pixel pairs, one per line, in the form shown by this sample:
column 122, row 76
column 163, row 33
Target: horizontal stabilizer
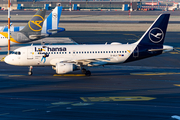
column 165, row 48
column 34, row 37
column 151, row 50
column 56, row 30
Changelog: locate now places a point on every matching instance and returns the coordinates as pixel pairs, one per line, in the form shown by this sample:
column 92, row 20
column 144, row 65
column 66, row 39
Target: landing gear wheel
column 83, row 71
column 88, row 73
column 30, row 73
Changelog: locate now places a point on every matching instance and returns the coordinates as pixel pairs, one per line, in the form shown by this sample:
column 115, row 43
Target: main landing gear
column 86, row 72
column 30, row 71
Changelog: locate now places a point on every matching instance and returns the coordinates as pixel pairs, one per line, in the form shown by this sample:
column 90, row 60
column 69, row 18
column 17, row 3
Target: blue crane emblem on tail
column 156, row 35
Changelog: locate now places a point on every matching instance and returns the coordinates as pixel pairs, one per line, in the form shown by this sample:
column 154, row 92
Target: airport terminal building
column 123, row 5
column 69, row 4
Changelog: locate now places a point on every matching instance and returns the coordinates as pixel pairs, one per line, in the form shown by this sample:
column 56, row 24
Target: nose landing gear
column 30, row 70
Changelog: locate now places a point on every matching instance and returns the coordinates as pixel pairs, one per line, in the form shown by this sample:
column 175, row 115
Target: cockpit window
column 16, row 53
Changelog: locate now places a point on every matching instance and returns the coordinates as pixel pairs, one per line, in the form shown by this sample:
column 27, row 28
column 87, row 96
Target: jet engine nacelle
column 62, row 68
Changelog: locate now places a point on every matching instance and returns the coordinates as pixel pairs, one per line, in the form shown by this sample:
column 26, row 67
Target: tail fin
column 34, row 26
column 156, row 33
column 52, row 21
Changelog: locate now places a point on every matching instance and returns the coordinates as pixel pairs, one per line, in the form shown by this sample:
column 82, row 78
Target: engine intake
column 62, row 68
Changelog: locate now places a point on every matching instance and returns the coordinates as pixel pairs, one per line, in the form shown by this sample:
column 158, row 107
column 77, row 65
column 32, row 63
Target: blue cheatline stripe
column 16, row 29
column 49, row 22
column 5, row 29
column 59, row 14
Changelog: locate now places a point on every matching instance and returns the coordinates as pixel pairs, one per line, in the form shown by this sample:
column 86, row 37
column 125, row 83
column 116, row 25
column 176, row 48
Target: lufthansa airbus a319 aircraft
column 68, row 58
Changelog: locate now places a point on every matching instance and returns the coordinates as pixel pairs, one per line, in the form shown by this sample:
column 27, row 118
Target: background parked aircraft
column 50, row 27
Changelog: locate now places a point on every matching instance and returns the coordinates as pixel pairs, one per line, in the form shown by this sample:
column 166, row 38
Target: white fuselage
column 107, row 54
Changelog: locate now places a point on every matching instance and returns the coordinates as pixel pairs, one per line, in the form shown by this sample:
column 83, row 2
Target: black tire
column 83, row 71
column 88, row 73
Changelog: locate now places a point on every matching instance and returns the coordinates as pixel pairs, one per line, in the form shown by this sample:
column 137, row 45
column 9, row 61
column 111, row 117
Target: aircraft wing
column 84, row 62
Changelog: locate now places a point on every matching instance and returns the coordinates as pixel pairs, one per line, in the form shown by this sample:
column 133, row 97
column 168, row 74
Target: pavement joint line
column 103, row 33
column 82, row 104
column 117, row 98
column 28, row 110
column 4, row 114
column 61, row 103
column 53, row 106
column 3, row 75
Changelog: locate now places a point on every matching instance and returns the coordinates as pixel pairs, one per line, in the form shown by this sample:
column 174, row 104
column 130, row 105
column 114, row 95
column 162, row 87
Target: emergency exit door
column 29, row 53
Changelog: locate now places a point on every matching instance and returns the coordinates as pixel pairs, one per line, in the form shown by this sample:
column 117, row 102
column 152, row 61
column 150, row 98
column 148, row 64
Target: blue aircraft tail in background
column 51, row 23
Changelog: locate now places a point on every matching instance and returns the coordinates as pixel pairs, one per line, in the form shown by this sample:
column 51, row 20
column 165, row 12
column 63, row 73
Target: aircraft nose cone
column 7, row 59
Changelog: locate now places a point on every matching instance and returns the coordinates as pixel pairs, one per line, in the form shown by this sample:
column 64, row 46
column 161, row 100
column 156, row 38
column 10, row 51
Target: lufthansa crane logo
column 35, row 24
column 156, row 35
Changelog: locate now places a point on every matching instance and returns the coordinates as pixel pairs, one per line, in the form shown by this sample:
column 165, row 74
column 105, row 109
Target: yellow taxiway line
column 149, row 73
column 177, row 85
column 69, row 75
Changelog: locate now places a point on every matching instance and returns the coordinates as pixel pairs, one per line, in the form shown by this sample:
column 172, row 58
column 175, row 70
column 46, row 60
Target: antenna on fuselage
column 42, row 42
